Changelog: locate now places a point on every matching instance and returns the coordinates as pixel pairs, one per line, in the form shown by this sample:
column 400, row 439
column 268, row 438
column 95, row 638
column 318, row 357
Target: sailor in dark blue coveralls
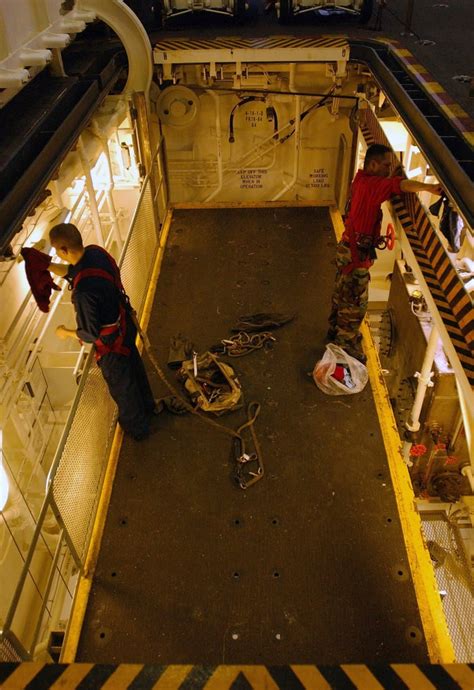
column 103, row 318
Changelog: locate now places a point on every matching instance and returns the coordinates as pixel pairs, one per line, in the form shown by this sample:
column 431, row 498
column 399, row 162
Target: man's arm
column 414, row 186
column 60, row 270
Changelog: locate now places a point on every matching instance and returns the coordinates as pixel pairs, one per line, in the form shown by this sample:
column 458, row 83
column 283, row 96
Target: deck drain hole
column 102, row 635
column 400, row 573
column 123, row 521
column 276, row 574
column 235, row 636
column 236, row 575
column 389, row 519
column 113, row 573
column 414, row 635
column 275, row 521
column 237, row 522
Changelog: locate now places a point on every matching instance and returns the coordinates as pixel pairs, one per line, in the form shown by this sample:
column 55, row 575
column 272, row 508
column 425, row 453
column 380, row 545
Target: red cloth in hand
column 39, row 278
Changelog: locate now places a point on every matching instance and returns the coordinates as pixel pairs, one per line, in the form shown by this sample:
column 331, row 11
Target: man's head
column 66, row 240
column 378, row 160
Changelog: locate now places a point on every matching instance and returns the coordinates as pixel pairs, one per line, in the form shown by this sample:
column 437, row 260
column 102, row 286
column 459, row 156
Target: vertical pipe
column 424, row 382
column 296, row 160
column 220, row 176
column 90, row 191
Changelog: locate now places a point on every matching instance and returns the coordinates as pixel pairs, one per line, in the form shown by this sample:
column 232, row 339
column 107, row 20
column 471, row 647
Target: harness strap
column 120, row 326
column 356, row 262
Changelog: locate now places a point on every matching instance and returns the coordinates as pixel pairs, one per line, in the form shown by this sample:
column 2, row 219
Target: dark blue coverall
column 97, row 304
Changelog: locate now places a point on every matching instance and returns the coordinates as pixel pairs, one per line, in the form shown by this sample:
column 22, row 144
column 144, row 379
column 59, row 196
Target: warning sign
column 251, row 178
column 319, row 178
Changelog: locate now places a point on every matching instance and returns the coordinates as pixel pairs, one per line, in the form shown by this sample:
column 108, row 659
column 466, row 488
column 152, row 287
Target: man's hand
column 62, row 332
column 436, row 189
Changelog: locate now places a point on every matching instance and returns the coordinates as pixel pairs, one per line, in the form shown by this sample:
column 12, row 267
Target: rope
column 242, row 343
column 253, row 409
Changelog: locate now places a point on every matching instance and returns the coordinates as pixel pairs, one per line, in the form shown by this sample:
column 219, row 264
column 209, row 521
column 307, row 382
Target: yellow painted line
column 73, row 633
column 462, row 674
column 72, row 676
column 438, row 641
column 122, row 677
column 413, row 677
column 172, row 677
column 250, row 204
column 22, row 675
column 361, row 676
column 311, row 677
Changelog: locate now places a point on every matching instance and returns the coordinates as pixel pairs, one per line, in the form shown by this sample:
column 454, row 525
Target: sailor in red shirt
column 356, row 250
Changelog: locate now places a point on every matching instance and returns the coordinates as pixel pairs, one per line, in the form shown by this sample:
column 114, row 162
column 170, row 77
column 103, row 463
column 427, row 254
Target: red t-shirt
column 368, row 193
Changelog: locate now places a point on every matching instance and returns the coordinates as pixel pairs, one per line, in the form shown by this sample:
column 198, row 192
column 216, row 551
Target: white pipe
column 91, row 191
column 468, row 422
column 296, row 159
column 467, row 472
column 220, row 176
column 291, row 81
column 424, row 382
column 133, row 36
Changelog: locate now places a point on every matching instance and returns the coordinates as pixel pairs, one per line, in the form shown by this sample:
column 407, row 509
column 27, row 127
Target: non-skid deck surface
column 308, row 565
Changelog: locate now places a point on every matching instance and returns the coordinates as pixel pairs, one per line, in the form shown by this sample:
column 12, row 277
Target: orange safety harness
column 120, row 326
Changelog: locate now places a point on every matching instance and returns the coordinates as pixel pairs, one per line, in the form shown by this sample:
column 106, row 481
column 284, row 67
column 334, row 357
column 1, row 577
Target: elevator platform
column 308, row 566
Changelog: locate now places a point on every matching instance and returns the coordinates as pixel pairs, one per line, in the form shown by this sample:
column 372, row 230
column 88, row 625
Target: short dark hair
column 67, row 233
column 376, row 152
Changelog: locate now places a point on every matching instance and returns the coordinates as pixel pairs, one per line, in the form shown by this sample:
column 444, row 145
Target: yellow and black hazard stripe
column 269, row 42
column 452, row 110
column 36, row 676
column 447, row 289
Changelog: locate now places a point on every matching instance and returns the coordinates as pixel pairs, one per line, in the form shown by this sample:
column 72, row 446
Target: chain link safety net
column 78, row 480
column 455, row 581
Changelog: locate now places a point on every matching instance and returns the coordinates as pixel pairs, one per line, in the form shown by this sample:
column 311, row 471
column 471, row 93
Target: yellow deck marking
column 85, row 583
column 72, row 676
column 172, row 677
column 224, row 676
column 361, row 676
column 434, row 87
column 311, row 677
column 462, row 674
column 22, row 675
column 122, row 677
column 413, row 677
column 440, row 648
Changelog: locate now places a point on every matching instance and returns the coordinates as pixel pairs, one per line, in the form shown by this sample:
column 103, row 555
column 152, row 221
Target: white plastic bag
column 352, row 375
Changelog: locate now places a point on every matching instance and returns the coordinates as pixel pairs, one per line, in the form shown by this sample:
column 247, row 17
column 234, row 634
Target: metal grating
column 455, row 582
column 137, row 262
column 8, row 651
column 78, row 479
column 76, row 485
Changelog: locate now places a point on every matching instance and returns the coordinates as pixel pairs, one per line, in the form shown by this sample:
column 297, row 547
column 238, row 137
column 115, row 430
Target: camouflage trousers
column 349, row 302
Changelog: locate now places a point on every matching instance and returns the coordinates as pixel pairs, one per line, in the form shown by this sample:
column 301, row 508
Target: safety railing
column 42, row 596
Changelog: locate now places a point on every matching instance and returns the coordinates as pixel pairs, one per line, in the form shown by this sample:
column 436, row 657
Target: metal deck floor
column 317, row 545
